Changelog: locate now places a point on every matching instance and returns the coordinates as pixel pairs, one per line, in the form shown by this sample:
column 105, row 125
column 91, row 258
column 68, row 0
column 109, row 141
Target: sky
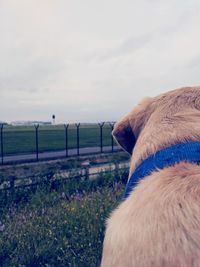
column 92, row 60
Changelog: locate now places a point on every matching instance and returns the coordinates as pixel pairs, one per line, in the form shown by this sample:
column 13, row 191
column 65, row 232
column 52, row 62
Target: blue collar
column 166, row 157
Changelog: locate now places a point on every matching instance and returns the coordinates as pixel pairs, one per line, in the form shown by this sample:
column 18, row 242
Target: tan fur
column 158, row 225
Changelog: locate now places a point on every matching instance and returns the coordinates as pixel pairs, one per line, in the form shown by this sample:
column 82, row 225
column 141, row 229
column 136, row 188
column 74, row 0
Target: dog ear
column 128, row 129
column 124, row 136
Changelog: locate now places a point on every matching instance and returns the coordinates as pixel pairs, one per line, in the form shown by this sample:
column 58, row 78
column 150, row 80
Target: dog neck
column 167, row 157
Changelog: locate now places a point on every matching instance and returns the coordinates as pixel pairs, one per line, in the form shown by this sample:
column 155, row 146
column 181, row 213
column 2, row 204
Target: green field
column 58, row 225
column 21, row 139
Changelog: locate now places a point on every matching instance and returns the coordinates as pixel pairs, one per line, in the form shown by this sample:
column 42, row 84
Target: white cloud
column 93, row 60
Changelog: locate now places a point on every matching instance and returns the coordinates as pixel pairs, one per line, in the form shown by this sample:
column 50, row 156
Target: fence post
column 77, row 137
column 101, row 124
column 66, row 138
column 112, row 140
column 12, row 184
column 86, row 165
column 36, row 141
column 116, row 170
column 2, row 152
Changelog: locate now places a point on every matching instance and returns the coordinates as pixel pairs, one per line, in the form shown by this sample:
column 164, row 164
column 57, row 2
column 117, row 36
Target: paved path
column 56, row 154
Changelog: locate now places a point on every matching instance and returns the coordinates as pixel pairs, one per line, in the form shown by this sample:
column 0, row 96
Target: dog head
column 159, row 122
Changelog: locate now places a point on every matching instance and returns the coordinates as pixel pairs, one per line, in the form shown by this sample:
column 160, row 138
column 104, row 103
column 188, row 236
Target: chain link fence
column 37, row 142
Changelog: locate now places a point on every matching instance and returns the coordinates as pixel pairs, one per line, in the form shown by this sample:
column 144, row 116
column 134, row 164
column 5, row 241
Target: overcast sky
column 93, row 60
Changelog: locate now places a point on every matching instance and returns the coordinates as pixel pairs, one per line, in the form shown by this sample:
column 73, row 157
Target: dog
column 157, row 224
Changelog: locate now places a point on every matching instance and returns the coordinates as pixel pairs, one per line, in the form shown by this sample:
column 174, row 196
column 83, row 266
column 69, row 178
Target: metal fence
column 37, row 142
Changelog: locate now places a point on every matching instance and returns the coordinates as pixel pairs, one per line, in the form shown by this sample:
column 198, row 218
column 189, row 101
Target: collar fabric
column 189, row 152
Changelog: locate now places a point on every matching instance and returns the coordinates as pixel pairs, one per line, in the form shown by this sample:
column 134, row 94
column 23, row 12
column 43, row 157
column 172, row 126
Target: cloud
column 87, row 60
column 29, row 72
column 127, row 47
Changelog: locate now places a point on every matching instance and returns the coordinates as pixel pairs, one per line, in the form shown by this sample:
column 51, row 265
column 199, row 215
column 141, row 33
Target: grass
column 58, row 225
column 21, row 139
column 43, row 167
column 58, row 232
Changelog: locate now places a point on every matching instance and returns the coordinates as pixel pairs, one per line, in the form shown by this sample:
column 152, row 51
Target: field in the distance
column 21, row 139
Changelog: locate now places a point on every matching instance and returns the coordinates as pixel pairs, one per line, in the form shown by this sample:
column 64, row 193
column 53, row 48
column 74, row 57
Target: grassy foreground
column 55, row 229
